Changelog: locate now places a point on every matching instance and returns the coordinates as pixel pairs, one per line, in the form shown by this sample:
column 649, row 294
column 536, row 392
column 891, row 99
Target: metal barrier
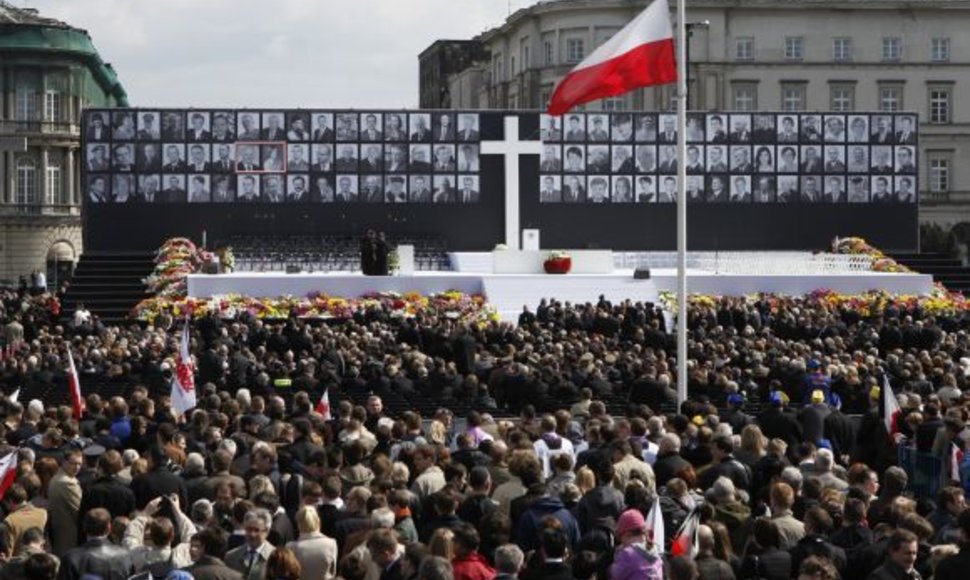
column 925, row 471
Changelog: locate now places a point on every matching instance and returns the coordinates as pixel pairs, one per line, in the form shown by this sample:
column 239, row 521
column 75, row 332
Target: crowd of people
column 567, row 440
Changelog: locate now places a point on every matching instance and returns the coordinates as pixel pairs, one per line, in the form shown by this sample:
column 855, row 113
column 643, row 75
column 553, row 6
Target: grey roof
column 10, row 14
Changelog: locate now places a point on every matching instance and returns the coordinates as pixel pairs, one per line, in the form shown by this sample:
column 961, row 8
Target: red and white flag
column 655, row 525
column 890, row 407
column 183, row 381
column 8, row 472
column 639, row 55
column 323, row 406
column 685, row 542
column 74, row 382
column 956, row 459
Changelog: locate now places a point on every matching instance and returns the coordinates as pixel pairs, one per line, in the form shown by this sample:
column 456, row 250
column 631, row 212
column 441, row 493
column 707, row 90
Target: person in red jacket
column 468, row 563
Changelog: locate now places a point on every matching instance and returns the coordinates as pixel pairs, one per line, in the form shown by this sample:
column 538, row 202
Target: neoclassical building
column 799, row 55
column 49, row 71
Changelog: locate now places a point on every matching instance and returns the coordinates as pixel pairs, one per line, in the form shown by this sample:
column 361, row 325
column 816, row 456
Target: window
column 26, row 105
column 793, row 96
column 512, row 66
column 940, row 50
column 744, row 96
column 547, row 53
column 52, row 106
column 26, row 192
column 890, row 98
column 892, row 48
column 842, row 49
column 939, row 173
column 575, row 49
column 744, row 48
column 53, row 185
column 545, row 93
column 842, row 97
column 614, row 104
column 526, row 62
column 940, row 104
column 794, row 47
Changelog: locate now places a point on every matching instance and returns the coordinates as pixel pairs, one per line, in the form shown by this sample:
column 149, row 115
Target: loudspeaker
column 292, row 269
column 641, row 274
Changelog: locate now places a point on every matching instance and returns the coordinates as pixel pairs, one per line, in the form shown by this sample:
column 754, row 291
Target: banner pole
column 681, row 203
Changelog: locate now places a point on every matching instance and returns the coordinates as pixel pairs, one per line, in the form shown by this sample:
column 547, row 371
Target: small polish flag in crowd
column 639, row 55
column 8, row 472
column 890, row 407
column 323, row 406
column 14, row 396
column 685, row 542
column 655, row 525
column 956, row 460
column 183, row 382
column 74, row 382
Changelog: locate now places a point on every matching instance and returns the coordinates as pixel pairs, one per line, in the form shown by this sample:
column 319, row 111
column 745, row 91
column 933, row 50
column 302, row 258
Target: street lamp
column 690, row 26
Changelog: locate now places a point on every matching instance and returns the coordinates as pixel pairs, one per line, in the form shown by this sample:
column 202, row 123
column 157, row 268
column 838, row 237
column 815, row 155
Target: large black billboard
column 754, row 180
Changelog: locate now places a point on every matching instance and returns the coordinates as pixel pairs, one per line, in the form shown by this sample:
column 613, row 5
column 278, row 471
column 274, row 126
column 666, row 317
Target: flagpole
column 681, row 203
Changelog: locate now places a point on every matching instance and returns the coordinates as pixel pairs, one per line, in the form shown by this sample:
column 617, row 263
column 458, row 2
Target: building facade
column 49, row 71
column 803, row 55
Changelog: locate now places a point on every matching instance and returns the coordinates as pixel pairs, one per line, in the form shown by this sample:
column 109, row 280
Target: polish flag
column 685, row 542
column 8, row 472
column 183, row 382
column 890, row 407
column 323, row 406
column 956, row 460
column 640, row 55
column 655, row 525
column 74, row 382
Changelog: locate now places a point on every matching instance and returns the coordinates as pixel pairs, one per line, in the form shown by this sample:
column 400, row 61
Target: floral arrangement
column 558, row 255
column 176, row 259
column 451, row 304
column 859, row 247
column 227, row 258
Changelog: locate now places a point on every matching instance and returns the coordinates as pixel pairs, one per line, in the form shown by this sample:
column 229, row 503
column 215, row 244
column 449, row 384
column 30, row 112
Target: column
column 72, row 196
column 42, row 177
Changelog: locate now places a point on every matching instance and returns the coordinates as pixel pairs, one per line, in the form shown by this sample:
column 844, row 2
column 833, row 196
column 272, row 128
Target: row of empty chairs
column 326, row 253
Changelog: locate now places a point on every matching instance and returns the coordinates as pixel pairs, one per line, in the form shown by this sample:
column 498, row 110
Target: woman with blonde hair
column 437, row 433
column 442, row 543
column 316, row 553
column 585, row 479
column 753, row 443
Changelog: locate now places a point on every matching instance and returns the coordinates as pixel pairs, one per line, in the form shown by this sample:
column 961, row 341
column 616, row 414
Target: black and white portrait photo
column 834, row 189
column 419, row 188
column 148, row 157
column 573, row 189
column 834, row 129
column 741, row 159
column 597, row 128
column 468, row 127
column 717, row 129
column 372, row 158
column 149, row 186
column 574, row 160
column 248, row 126
column 98, row 127
column 881, row 159
column 695, row 190
column 123, row 126
column 622, row 190
column 298, row 126
column 98, row 188
column 905, row 159
column 248, row 159
column 444, row 157
column 346, row 189
column 198, row 158
column 247, row 188
column 764, row 129
column 371, row 127
column 419, row 126
column 298, row 158
column 787, row 160
column 646, row 189
column 198, row 127
column 740, row 129
column 646, row 128
column 881, row 190
column 881, row 131
column 199, row 189
column 858, row 189
column 695, row 159
column 298, row 190
column 575, row 130
column 598, row 189
column 787, row 189
column 764, row 159
column 550, row 128
column 668, row 159
column 811, row 160
column 468, row 158
column 763, row 189
column 347, row 156
column 395, row 129
column 550, row 189
column 223, row 127
column 717, row 158
column 695, row 128
column 396, row 158
column 622, row 128
column 122, row 187
column 468, row 189
column 905, row 189
column 97, row 157
column 274, row 126
column 551, row 159
column 322, row 127
column 740, row 189
column 646, row 161
column 123, row 157
column 223, row 189
column 788, row 129
column 858, row 129
column 906, row 130
column 273, row 157
column 667, row 189
column 811, row 189
column 811, row 128
column 444, row 127
column 858, row 161
column 173, row 189
column 273, row 188
column 149, row 126
column 598, row 158
column 419, row 160
column 173, row 126
column 834, row 159
column 443, row 189
column 668, row 129
column 346, row 127
column 623, row 159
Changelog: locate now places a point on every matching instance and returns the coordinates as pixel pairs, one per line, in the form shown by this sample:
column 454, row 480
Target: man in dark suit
column 347, row 160
column 716, row 192
column 224, row 163
column 323, row 132
column 880, row 193
column 811, row 163
column 882, row 133
column 834, row 190
column 467, row 193
column 98, row 189
column 248, row 159
column 741, row 160
column 420, row 131
column 669, row 134
column 198, row 132
column 148, row 158
column 371, row 192
column 904, row 160
column 694, row 163
column 370, row 132
column 98, row 159
column 549, row 193
column 740, row 134
column 444, row 130
column 550, row 159
column 468, row 131
column 149, row 130
column 764, row 129
column 420, row 192
column 197, row 159
column 810, row 132
column 324, row 161
column 905, row 135
column 372, row 161
column 383, row 547
column 174, row 191
column 833, row 164
column 715, row 130
column 715, row 160
column 173, row 160
column 274, row 130
column 345, row 190
column 764, row 191
column 96, row 130
column 221, row 130
column 160, row 480
column 98, row 556
column 419, row 159
column 881, row 161
column 575, row 132
column 573, row 191
column 669, row 162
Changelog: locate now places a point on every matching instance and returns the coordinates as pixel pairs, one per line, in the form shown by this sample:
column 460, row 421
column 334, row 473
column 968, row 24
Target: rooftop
column 10, row 14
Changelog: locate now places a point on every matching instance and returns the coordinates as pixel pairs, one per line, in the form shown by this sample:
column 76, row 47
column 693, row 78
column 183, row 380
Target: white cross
column 511, row 148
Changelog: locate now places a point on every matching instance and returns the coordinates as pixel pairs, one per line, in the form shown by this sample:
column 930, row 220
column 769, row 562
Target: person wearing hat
column 812, row 417
column 734, row 415
column 637, row 557
column 816, row 379
column 776, row 421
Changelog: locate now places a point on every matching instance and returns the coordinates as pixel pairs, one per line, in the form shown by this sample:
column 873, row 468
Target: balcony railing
column 40, row 209
column 39, row 128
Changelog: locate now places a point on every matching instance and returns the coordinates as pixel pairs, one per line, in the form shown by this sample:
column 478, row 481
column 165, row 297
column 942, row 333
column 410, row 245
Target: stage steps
column 944, row 268
column 109, row 285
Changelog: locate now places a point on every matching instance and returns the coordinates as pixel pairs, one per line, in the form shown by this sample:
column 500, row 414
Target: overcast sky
column 272, row 53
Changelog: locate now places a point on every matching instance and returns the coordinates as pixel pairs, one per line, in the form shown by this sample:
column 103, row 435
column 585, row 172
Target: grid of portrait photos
column 731, row 158
column 291, row 156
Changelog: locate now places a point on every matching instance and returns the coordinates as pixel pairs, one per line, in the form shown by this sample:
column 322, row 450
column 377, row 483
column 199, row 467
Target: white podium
column 405, row 260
